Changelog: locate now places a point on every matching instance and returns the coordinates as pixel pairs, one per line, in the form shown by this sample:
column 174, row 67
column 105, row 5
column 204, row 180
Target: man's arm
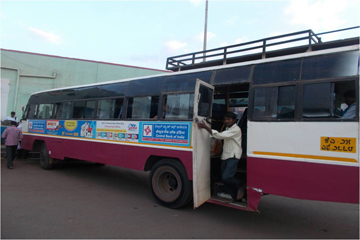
column 202, row 124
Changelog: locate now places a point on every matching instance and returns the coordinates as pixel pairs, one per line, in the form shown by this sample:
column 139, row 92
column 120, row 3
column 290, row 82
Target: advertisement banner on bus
column 176, row 134
column 117, row 131
column 70, row 128
column 161, row 133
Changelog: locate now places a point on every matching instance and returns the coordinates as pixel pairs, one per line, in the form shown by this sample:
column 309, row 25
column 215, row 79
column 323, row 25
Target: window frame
column 110, row 98
column 126, row 104
column 83, row 100
column 277, row 86
column 332, row 80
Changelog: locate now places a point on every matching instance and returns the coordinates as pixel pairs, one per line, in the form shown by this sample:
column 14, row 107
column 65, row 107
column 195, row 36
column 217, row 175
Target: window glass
column 62, row 110
column 317, row 100
column 232, row 75
column 179, row 106
column 108, row 90
column 206, row 96
column 330, row 100
column 78, row 110
column 113, row 90
column 331, row 65
column 45, row 110
column 185, row 82
column 150, row 86
column 286, row 102
column 265, row 101
column 238, row 99
column 32, row 110
column 142, row 107
column 219, row 107
column 109, row 108
column 84, row 109
column 283, row 71
column 90, row 109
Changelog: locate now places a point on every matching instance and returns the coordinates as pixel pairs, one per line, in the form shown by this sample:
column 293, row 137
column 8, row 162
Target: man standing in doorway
column 12, row 136
column 231, row 154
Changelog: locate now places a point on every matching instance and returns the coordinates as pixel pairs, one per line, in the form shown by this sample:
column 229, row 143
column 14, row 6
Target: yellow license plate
column 338, row 144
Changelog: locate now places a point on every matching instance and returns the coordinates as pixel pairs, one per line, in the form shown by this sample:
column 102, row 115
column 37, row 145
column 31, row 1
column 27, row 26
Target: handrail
column 224, row 53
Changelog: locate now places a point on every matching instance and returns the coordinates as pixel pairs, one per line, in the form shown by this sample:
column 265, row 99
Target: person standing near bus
column 231, row 154
column 12, row 117
column 12, row 136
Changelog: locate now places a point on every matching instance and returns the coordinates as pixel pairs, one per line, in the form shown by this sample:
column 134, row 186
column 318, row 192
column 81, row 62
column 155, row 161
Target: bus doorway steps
column 221, row 195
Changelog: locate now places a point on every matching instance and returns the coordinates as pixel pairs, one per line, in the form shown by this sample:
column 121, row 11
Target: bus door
column 203, row 99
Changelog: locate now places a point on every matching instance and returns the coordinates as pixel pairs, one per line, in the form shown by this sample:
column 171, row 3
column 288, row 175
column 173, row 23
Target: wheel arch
column 153, row 159
column 36, row 147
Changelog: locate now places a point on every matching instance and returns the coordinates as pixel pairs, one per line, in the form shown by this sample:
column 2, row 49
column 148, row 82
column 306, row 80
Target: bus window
column 179, row 106
column 326, row 100
column 45, row 110
column 265, row 102
column 282, row 71
column 142, row 107
column 206, row 95
column 232, row 75
column 90, row 109
column 331, row 65
column 286, row 102
column 32, row 110
column 219, row 106
column 62, row 110
column 109, row 108
column 143, row 87
column 84, row 109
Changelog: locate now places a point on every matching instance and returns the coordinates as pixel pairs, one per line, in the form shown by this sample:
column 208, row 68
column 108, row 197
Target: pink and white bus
column 296, row 143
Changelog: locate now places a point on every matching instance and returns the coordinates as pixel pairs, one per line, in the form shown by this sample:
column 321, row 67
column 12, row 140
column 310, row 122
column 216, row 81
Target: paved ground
column 82, row 200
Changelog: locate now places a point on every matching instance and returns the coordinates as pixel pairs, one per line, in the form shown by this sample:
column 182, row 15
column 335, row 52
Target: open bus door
column 203, row 98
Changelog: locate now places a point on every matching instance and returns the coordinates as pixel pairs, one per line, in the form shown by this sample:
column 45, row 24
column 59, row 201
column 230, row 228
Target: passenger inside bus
column 350, row 100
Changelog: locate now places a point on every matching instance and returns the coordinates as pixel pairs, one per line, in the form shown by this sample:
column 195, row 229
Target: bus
column 290, row 104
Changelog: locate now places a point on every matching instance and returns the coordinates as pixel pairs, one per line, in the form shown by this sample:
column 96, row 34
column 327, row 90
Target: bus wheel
column 169, row 184
column 45, row 158
column 99, row 164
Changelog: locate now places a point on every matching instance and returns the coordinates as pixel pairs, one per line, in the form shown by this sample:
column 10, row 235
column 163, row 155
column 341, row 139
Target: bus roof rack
column 287, row 44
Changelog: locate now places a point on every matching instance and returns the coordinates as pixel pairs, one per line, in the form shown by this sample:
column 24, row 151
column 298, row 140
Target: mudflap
column 253, row 197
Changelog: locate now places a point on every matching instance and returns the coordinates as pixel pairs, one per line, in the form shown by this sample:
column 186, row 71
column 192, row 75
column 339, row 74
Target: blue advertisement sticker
column 37, row 126
column 166, row 133
column 71, row 128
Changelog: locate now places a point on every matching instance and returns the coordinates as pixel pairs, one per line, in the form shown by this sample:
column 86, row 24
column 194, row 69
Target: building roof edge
column 85, row 60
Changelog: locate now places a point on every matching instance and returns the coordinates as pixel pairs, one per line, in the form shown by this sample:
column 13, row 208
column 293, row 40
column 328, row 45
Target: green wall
column 69, row 72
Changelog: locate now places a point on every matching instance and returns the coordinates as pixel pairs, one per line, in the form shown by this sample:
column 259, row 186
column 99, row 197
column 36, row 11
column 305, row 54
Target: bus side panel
column 27, row 142
column 311, row 181
column 131, row 156
column 135, row 157
column 306, row 160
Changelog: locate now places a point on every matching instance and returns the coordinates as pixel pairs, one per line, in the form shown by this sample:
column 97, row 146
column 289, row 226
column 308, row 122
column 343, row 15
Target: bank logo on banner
column 147, row 130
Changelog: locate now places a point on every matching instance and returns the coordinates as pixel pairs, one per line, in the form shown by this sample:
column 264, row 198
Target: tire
column 45, row 158
column 99, row 164
column 170, row 184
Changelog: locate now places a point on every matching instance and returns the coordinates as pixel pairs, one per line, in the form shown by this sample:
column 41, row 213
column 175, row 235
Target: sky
column 146, row 33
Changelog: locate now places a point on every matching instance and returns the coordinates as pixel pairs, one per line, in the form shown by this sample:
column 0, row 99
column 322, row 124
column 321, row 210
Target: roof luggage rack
column 292, row 43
